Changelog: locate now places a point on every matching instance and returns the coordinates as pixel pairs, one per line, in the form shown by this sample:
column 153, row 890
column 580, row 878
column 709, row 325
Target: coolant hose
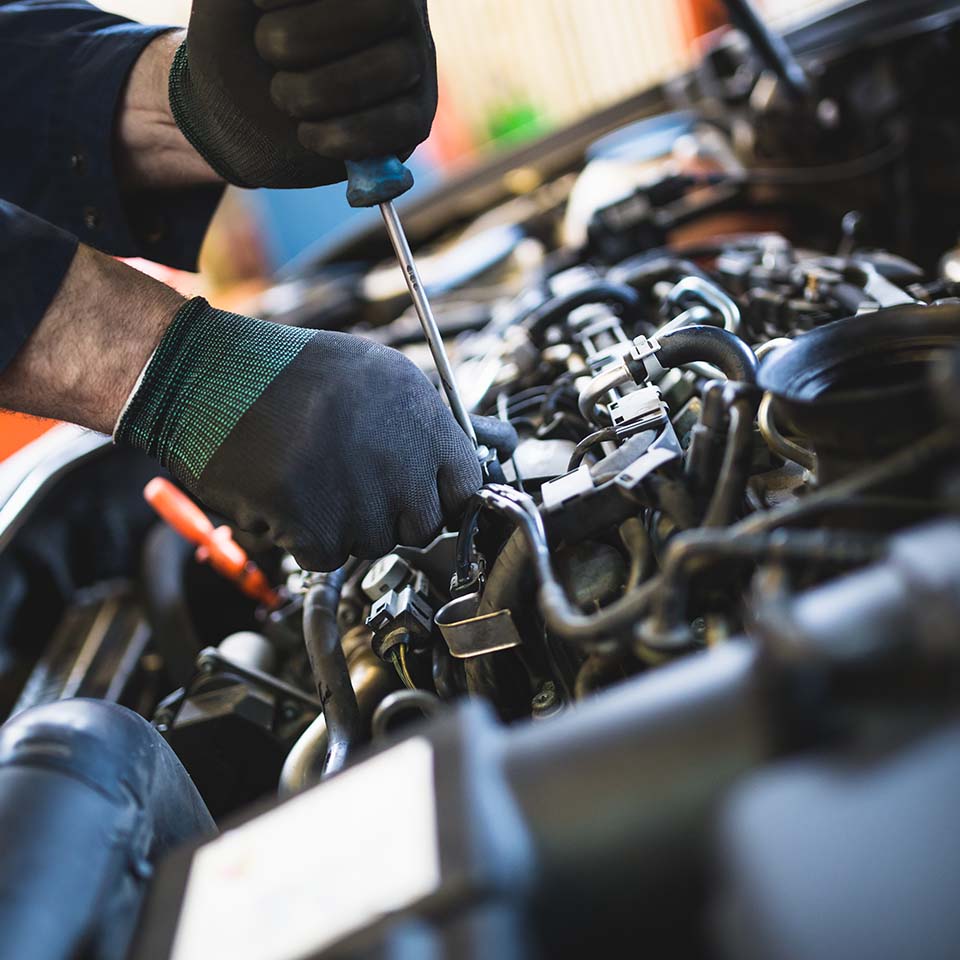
column 598, row 291
column 165, row 557
column 713, row 345
column 371, row 679
column 329, row 666
column 91, row 797
column 731, row 485
column 559, row 614
column 508, row 580
column 499, row 435
column 687, row 344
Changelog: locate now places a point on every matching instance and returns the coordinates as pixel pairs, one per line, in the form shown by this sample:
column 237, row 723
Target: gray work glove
column 331, row 444
column 278, row 93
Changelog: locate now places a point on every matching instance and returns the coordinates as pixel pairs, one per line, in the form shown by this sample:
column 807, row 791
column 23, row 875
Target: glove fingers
column 416, row 527
column 457, row 482
column 377, row 132
column 307, row 35
column 350, row 85
column 267, row 5
column 314, row 550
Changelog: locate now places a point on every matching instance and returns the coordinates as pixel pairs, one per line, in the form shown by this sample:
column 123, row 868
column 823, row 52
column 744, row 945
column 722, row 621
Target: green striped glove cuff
column 209, row 369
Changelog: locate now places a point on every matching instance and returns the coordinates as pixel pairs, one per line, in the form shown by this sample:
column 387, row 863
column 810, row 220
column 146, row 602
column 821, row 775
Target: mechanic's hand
column 332, row 444
column 277, row 93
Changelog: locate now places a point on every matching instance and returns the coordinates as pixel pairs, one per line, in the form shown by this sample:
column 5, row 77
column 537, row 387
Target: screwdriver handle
column 376, row 181
column 215, row 545
column 178, row 510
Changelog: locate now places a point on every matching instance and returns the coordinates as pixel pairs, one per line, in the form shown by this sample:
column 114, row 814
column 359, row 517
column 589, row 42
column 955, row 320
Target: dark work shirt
column 63, row 64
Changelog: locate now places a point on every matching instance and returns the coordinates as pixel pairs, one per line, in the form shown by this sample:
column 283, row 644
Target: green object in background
column 516, row 123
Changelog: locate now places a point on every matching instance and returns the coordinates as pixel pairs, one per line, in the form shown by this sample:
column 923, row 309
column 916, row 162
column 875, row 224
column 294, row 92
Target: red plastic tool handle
column 215, row 545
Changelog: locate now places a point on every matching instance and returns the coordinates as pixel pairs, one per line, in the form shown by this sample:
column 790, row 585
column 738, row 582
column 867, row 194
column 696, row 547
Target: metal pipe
column 710, row 294
column 635, row 538
column 777, row 442
column 735, row 467
column 693, row 549
column 329, row 666
column 602, row 383
column 604, row 435
column 372, row 680
column 679, row 345
column 558, row 613
column 400, row 702
column 430, row 329
column 777, row 343
column 689, row 318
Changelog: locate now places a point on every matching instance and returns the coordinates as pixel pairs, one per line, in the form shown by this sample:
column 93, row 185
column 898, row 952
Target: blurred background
column 509, row 72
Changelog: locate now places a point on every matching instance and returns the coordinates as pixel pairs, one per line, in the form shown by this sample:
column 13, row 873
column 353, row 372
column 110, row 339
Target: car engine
column 709, row 593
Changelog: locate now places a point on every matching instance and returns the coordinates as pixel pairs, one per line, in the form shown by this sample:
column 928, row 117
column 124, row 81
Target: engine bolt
column 546, row 702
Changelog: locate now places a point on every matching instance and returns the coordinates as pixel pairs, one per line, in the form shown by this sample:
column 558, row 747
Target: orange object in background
column 701, row 17
column 17, row 430
column 215, row 545
column 451, row 141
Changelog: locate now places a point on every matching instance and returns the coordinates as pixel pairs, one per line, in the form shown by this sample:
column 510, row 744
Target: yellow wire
column 404, row 672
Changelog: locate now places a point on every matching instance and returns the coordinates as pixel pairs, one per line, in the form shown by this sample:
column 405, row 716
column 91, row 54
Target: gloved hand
column 281, row 98
column 331, row 444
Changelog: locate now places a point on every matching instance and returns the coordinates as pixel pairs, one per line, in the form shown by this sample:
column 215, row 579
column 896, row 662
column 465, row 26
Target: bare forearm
column 83, row 359
column 152, row 153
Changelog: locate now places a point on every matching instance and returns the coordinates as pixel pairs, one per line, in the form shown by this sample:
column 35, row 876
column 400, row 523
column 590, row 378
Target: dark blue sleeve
column 34, row 256
column 63, row 64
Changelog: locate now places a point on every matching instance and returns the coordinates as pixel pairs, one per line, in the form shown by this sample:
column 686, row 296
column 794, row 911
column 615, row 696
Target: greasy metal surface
column 468, row 635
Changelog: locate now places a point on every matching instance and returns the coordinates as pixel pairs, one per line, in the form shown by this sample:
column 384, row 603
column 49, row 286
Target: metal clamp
column 469, row 635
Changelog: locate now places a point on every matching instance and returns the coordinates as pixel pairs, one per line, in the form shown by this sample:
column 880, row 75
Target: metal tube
column 430, row 329
column 558, row 613
column 710, row 294
column 735, row 467
column 777, row 442
column 602, row 383
column 371, row 679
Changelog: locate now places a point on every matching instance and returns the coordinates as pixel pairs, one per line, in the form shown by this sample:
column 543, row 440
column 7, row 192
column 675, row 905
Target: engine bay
column 716, row 348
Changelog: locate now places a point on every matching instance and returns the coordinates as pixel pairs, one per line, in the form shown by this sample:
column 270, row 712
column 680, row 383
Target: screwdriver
column 215, row 545
column 379, row 182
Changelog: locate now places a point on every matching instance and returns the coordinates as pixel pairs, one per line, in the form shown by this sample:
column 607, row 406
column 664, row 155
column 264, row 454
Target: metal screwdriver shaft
column 430, row 329
column 379, row 182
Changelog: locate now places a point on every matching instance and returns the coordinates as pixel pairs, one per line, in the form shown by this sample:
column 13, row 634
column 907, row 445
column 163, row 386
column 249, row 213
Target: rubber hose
column 508, row 576
column 165, row 555
column 557, row 309
column 715, row 346
column 91, row 797
column 646, row 269
column 508, row 579
column 735, row 469
column 497, row 434
column 329, row 666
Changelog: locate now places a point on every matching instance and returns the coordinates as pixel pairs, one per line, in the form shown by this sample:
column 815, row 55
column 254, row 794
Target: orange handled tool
column 215, row 545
